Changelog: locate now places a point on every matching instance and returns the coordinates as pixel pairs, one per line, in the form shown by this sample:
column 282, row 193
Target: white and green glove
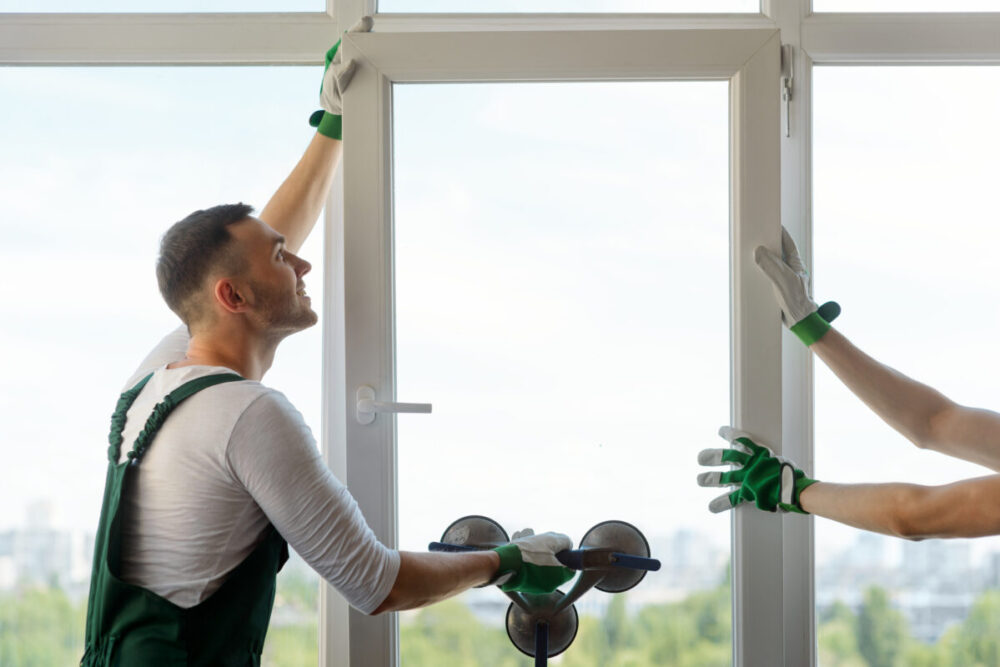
column 790, row 280
column 336, row 77
column 760, row 476
column 531, row 562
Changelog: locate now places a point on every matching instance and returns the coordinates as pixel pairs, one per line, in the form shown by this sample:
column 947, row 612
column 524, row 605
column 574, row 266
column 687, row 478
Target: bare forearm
column 873, row 507
column 295, row 207
column 905, row 404
column 426, row 578
column 968, row 508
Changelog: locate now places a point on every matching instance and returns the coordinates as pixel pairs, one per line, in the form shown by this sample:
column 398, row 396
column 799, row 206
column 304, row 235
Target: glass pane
column 571, row 6
column 905, row 239
column 562, row 298
column 906, row 5
column 87, row 196
column 168, row 6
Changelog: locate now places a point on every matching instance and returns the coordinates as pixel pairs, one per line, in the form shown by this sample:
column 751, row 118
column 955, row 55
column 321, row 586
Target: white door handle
column 368, row 407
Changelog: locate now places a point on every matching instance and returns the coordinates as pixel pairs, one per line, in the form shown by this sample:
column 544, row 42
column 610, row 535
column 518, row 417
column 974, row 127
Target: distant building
column 934, row 584
column 41, row 554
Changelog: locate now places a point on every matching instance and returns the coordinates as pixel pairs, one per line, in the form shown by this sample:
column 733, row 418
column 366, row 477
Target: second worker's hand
column 790, row 280
column 769, row 481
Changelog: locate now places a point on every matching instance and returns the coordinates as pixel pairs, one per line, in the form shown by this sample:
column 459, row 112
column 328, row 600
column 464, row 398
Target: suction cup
column 562, row 627
column 475, row 531
column 620, row 537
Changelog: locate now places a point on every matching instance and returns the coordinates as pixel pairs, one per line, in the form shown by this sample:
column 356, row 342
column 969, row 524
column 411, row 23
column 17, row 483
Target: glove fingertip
column 345, row 74
column 710, row 479
column 720, row 504
column 364, row 24
column 758, row 254
column 710, row 457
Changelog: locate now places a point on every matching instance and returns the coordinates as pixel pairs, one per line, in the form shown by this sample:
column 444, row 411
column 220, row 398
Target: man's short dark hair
column 190, row 249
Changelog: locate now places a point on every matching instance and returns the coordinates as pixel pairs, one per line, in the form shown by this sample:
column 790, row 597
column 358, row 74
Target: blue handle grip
column 636, row 562
column 581, row 559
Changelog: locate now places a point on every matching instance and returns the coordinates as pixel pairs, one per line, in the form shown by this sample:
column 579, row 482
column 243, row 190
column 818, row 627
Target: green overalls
column 131, row 626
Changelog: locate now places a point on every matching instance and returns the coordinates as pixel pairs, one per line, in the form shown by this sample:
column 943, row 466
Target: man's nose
column 302, row 267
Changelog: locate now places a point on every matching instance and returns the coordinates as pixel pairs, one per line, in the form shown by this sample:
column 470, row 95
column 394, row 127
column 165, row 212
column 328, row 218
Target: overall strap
column 125, row 402
column 162, row 409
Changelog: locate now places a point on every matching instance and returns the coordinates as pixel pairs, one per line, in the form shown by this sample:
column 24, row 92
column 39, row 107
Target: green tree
column 882, row 631
column 837, row 638
column 40, row 627
column 615, row 623
column 449, row 634
column 292, row 638
column 977, row 641
column 918, row 654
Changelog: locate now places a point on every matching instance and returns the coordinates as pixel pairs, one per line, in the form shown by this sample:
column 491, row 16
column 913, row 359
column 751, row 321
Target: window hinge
column 787, row 79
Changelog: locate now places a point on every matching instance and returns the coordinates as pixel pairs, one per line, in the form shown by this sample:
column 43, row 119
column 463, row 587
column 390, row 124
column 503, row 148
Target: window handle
column 368, row 407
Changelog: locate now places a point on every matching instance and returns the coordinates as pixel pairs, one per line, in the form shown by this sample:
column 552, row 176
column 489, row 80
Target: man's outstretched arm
column 426, row 578
column 969, row 508
column 920, row 413
column 758, row 477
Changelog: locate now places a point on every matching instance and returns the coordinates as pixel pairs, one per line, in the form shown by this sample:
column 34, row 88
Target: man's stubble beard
column 278, row 314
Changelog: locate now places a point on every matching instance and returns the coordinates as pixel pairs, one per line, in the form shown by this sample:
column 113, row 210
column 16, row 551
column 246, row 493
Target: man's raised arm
column 295, row 207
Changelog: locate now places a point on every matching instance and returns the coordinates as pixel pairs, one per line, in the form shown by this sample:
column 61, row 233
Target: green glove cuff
column 801, row 483
column 510, row 558
column 328, row 124
column 811, row 328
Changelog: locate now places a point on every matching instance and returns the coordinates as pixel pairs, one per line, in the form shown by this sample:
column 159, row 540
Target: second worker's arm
column 920, row 413
column 968, row 508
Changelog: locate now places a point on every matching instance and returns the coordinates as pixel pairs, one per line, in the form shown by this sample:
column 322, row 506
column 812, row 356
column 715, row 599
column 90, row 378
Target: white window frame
column 750, row 60
column 817, row 39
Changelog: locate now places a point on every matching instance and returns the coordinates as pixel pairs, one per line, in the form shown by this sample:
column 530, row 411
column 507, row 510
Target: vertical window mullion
column 756, row 362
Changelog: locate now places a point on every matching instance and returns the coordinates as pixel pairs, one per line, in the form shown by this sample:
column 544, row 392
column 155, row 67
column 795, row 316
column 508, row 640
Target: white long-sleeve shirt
column 228, row 462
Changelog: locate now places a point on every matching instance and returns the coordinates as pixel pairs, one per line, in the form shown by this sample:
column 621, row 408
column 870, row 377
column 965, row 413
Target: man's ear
column 231, row 296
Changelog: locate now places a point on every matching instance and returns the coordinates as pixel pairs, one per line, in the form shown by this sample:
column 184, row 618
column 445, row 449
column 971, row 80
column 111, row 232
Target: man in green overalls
column 221, row 474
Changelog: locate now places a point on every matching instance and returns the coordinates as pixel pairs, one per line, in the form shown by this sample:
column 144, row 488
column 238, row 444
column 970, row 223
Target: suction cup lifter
column 613, row 557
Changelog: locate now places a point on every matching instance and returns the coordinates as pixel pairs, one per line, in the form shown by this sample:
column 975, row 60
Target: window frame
column 749, row 59
column 823, row 39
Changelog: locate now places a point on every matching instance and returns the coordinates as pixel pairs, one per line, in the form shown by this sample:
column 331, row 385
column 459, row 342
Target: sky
column 561, row 275
column 563, row 278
